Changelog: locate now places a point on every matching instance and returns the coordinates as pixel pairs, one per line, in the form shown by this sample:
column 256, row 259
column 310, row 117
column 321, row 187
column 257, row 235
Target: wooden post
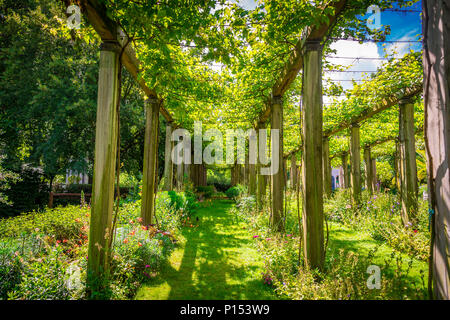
column 312, row 170
column 408, row 167
column 241, row 174
column 168, row 165
column 262, row 185
column 436, row 56
column 50, row 200
column 277, row 177
column 346, row 177
column 375, row 185
column 106, row 134
column 397, row 165
column 293, row 172
column 150, row 154
column 368, row 168
column 253, row 158
column 326, row 162
column 180, row 173
column 355, row 158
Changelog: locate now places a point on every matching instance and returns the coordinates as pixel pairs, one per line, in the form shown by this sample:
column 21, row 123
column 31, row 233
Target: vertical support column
column 277, row 187
column 180, row 173
column 368, row 169
column 168, row 165
column 436, row 66
column 312, row 170
column 344, row 159
column 374, row 176
column 355, row 158
column 246, row 171
column 293, row 171
column 150, row 154
column 408, row 167
column 261, row 193
column 106, row 134
column 326, row 167
column 253, row 141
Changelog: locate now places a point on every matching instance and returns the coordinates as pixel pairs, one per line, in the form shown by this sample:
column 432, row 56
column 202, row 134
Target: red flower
column 125, row 241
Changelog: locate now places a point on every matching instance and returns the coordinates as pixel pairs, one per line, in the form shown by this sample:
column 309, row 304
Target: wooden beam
column 368, row 113
column 109, row 30
column 295, row 61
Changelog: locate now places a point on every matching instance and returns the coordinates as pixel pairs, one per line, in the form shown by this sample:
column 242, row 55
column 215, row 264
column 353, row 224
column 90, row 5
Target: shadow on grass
column 216, row 261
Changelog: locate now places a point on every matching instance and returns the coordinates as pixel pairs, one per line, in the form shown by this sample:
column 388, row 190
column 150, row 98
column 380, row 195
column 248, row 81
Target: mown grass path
column 215, row 260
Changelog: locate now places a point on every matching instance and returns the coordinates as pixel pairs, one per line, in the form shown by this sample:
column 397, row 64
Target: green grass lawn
column 361, row 243
column 215, row 260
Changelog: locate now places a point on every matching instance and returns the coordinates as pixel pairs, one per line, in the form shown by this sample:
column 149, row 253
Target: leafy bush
column 43, row 278
column 206, row 191
column 29, row 192
column 235, row 192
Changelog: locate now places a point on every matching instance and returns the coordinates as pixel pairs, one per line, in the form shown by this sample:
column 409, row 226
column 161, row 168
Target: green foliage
column 29, row 192
column 206, row 191
column 379, row 215
column 43, row 279
column 219, row 180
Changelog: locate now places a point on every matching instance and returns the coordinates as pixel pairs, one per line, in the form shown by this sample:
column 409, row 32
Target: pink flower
column 268, row 239
column 289, row 235
column 255, row 236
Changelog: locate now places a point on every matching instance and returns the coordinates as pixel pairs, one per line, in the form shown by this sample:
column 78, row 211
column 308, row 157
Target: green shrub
column 235, row 192
column 43, row 278
column 207, row 191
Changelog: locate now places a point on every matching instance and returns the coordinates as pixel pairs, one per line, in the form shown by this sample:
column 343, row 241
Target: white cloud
column 399, row 49
column 352, row 49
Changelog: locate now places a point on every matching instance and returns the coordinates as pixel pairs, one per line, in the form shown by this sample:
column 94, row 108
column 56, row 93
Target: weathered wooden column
column 355, row 158
column 261, row 192
column 375, row 185
column 436, row 56
column 180, row 172
column 344, row 159
column 397, row 165
column 312, row 170
column 408, row 167
column 106, row 134
column 293, row 172
column 326, row 162
column 246, row 171
column 253, row 156
column 168, row 165
column 368, row 168
column 150, row 154
column 242, row 174
column 277, row 185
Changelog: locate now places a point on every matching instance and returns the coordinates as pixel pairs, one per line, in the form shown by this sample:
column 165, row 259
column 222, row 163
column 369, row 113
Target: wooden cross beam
column 109, row 30
column 295, row 62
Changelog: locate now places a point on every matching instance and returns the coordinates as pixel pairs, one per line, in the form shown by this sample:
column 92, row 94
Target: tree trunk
column 436, row 25
column 312, row 157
